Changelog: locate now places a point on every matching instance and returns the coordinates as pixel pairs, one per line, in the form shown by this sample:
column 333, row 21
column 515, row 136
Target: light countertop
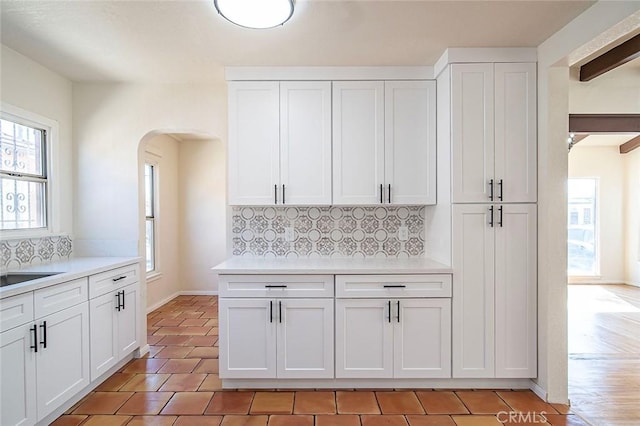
column 69, row 270
column 243, row 265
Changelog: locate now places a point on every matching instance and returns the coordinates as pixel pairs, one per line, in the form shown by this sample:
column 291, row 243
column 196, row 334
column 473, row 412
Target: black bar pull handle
column 43, row 342
column 34, row 330
column 118, row 305
column 119, row 278
column 280, row 310
column 491, row 189
column 275, row 286
column 501, row 189
column 500, row 216
column 381, row 194
column 398, row 317
column 283, row 193
column 389, row 307
column 389, row 193
column 275, row 194
column 123, row 300
column 270, row 310
column 394, row 286
column 491, row 216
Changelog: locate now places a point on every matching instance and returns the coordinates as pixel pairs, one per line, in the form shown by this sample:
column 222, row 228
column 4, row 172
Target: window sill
column 153, row 276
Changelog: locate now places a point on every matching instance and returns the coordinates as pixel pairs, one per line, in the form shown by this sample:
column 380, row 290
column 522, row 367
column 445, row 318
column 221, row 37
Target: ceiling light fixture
column 255, row 13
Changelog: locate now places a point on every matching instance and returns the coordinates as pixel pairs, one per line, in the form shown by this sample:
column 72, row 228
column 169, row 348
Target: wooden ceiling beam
column 604, row 123
column 630, row 145
column 619, row 55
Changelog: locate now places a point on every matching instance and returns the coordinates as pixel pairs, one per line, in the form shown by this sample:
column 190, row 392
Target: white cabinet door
column 17, row 377
column 364, row 338
column 515, row 291
column 473, row 291
column 410, row 142
column 62, row 367
column 104, row 334
column 254, row 137
column 358, row 142
column 305, row 338
column 472, row 132
column 127, row 320
column 305, row 142
column 422, row 338
column 515, row 132
column 248, row 338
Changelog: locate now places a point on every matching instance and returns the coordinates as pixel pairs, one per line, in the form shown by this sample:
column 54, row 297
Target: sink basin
column 18, row 277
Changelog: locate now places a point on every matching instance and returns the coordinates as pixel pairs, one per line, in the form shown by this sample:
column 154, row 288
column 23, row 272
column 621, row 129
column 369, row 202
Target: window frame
column 595, row 224
column 154, row 161
column 50, row 169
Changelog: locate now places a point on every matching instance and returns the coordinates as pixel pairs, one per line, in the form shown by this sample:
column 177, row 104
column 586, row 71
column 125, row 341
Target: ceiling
column 182, row 40
column 606, row 140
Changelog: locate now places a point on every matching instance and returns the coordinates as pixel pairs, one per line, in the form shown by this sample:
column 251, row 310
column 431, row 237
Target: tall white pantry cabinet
column 493, row 190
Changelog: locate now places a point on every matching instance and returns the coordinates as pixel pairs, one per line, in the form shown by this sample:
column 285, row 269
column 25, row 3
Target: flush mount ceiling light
column 255, row 13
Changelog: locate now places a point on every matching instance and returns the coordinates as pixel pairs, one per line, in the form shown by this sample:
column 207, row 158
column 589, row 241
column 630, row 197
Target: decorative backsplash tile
column 327, row 231
column 18, row 253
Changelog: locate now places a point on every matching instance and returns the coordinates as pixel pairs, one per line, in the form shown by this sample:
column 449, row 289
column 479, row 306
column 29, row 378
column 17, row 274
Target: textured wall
column 327, row 231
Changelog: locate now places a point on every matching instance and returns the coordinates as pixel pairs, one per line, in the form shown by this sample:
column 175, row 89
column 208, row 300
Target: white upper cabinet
column 279, row 143
column 384, row 142
column 358, row 142
column 410, row 142
column 305, row 143
column 493, row 127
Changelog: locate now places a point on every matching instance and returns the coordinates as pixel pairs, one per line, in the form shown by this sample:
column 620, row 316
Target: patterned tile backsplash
column 328, row 231
column 18, row 253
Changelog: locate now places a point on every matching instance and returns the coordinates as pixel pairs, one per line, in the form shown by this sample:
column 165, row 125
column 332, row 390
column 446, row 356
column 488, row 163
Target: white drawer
column 61, row 296
column 114, row 279
column 276, row 286
column 393, row 286
column 16, row 310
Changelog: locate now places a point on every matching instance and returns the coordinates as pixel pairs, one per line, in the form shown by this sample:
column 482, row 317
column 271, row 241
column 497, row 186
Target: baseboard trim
column 535, row 388
column 181, row 293
column 443, row 383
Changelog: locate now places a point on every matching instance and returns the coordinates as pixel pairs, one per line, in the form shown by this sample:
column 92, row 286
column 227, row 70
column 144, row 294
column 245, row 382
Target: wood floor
column 178, row 384
column 604, row 353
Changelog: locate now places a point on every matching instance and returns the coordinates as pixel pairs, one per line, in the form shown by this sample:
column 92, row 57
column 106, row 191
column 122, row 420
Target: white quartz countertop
column 68, row 270
column 243, row 265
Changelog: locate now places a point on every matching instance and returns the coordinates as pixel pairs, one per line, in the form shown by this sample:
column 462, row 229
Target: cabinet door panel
column 422, row 338
column 104, row 334
column 410, row 141
column 247, row 338
column 305, row 142
column 364, row 338
column 473, row 291
column 62, row 368
column 472, row 131
column 515, row 288
column 358, row 142
column 305, row 338
column 17, row 377
column 515, row 131
column 254, row 137
column 127, row 321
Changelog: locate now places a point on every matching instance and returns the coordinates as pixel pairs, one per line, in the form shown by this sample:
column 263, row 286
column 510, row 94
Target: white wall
column 617, row 91
column 606, row 164
column 632, row 228
column 34, row 88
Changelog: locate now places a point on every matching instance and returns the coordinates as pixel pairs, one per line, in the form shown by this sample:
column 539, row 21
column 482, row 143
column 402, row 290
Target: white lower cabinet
column 384, row 338
column 276, row 338
column 17, row 376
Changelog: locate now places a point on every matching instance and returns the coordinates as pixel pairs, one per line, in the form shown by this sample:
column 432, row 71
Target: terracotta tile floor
column 177, row 383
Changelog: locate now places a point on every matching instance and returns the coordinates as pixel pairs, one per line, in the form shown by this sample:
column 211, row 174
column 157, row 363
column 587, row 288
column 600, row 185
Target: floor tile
column 315, row 403
column 430, row 420
column 526, row 401
column 357, row 402
column 230, row 403
column 183, row 382
column 476, row 421
column 392, row 420
column 167, row 322
column 441, row 402
column 346, row 420
column 187, row 403
column 144, row 365
column 272, row 403
column 145, row 403
column 153, row 350
column 145, row 382
column 103, row 403
column 174, row 352
column 194, row 322
column 482, row 402
column 564, row 420
column 213, row 322
column 207, row 366
column 165, row 331
column 290, row 420
column 204, row 352
column 114, row 382
column 399, row 403
column 107, row 420
column 173, row 366
column 234, row 420
column 211, row 383
column 562, row 408
column 152, row 421
column 69, row 420
column 153, row 340
column 202, row 340
column 198, row 421
column 195, row 331
column 174, row 340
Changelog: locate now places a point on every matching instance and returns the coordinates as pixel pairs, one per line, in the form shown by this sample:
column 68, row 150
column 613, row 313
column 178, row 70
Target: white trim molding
column 460, row 55
column 328, row 73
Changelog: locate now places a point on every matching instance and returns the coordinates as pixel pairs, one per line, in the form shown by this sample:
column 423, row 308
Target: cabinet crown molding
column 329, row 73
column 459, row 55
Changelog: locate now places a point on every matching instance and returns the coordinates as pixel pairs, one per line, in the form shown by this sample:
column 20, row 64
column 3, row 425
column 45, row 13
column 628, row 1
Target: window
column 150, row 215
column 23, row 172
column 582, row 221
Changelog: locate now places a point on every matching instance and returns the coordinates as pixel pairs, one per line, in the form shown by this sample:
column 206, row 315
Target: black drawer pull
column 275, row 286
column 43, row 342
column 119, row 278
column 389, row 307
column 118, row 304
column 122, row 299
column 34, row 330
column 394, row 286
column 270, row 310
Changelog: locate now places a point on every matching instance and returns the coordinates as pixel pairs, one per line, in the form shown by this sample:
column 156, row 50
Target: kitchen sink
column 18, row 277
